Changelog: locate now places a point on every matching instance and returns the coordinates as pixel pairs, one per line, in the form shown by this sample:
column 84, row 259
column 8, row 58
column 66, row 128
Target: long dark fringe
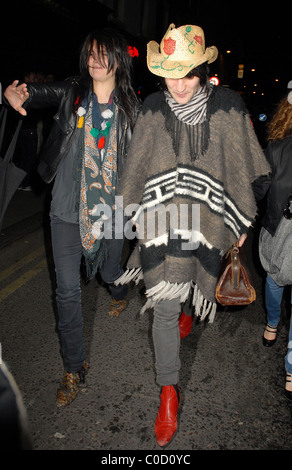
column 116, row 48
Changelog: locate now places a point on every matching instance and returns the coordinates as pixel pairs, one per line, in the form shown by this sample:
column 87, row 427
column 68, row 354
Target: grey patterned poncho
column 172, row 170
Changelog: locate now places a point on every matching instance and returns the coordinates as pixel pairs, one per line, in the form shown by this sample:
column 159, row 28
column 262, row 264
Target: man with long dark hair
column 85, row 154
column 193, row 150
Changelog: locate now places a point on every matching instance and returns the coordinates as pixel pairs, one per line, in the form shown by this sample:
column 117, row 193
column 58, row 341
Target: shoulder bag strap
column 10, row 151
column 3, row 118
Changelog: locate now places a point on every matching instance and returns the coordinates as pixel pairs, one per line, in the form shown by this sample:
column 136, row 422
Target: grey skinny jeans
column 166, row 339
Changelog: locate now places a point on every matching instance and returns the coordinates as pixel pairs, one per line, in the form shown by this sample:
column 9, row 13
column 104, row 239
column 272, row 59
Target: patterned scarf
column 193, row 112
column 98, row 177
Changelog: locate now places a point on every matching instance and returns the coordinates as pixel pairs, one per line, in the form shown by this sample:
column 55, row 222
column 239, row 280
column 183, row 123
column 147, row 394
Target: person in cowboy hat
column 193, row 147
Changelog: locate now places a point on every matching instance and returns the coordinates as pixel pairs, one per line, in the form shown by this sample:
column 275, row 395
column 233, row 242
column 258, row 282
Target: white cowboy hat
column 180, row 50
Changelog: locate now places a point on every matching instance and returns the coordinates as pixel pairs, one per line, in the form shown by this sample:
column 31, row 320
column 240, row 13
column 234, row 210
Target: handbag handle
column 235, row 265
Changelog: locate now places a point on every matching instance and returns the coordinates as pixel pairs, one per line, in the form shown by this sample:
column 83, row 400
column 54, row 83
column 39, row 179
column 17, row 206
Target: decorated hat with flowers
column 180, row 50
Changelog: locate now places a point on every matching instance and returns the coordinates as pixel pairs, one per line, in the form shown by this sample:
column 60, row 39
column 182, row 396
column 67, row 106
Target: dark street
column 232, row 387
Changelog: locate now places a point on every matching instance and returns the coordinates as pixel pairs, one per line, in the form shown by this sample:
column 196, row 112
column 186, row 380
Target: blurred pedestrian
column 274, row 246
column 193, row 147
column 14, row 425
column 85, row 154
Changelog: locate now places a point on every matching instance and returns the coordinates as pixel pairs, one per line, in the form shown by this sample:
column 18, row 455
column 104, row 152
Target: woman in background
column 278, row 186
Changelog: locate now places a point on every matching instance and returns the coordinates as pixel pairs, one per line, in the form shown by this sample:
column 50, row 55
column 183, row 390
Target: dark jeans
column 67, row 252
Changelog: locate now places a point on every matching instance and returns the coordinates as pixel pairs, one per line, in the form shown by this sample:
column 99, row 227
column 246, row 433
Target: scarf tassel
column 93, row 264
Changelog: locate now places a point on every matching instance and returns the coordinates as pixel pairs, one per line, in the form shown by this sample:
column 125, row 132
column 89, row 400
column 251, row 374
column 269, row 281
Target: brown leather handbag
column 234, row 286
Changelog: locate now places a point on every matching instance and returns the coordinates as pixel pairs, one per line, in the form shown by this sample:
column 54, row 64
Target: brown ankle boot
column 166, row 421
column 69, row 387
column 116, row 307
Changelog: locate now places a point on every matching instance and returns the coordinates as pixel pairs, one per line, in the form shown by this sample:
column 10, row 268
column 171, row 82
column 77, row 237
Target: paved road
column 232, row 387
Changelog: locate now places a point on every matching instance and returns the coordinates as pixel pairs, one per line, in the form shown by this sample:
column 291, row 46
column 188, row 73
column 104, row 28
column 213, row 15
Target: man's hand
column 242, row 239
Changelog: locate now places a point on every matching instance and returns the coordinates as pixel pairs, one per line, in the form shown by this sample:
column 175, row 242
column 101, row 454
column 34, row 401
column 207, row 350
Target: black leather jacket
column 277, row 185
column 61, row 137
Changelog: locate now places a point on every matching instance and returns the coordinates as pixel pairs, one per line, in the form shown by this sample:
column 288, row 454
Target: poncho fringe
column 167, row 291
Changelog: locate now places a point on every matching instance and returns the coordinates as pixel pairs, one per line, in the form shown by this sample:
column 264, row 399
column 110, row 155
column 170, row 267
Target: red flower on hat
column 199, row 39
column 169, row 46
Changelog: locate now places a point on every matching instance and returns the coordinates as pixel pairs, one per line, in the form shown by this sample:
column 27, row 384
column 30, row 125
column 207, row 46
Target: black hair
column 201, row 71
column 113, row 43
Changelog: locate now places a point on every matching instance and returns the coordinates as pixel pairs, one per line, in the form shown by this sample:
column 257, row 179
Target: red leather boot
column 166, row 421
column 185, row 325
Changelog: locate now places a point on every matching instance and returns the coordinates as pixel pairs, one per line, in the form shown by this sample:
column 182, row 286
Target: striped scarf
column 193, row 112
